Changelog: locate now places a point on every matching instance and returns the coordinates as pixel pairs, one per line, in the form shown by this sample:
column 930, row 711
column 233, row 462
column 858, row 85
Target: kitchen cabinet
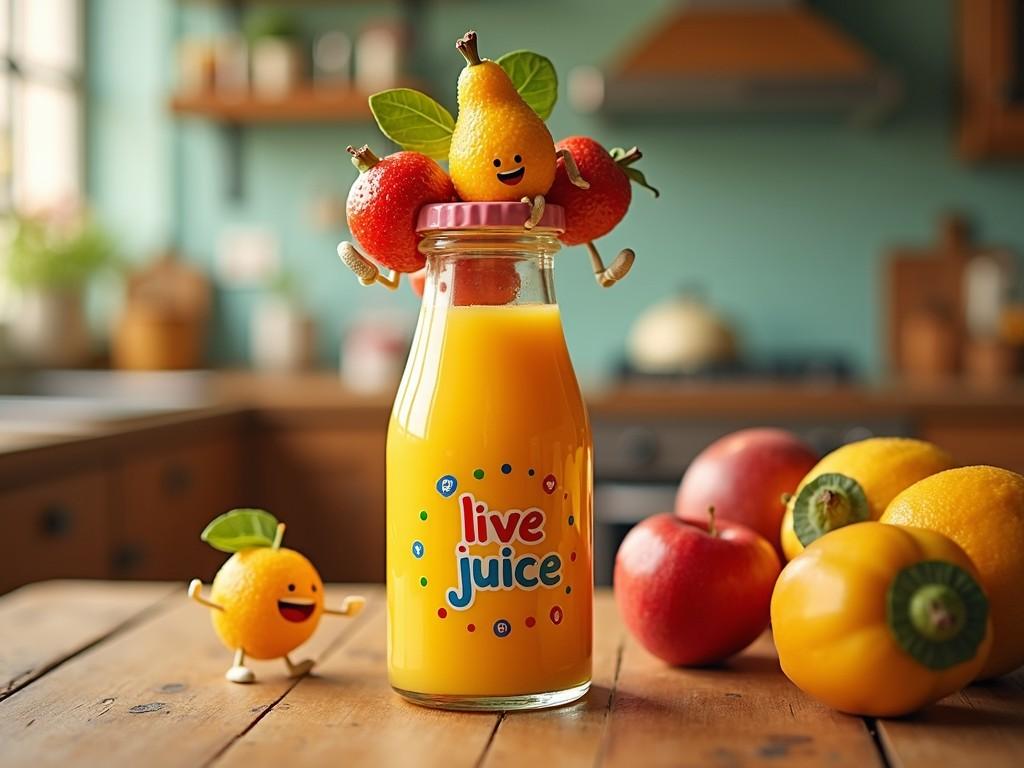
column 992, row 79
column 56, row 528
column 999, row 442
column 163, row 500
column 327, row 481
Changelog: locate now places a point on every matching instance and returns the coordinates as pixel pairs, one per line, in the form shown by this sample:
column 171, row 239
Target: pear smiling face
column 500, row 149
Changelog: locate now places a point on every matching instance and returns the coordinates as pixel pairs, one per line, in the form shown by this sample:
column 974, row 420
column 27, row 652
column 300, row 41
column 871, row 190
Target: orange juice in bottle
column 489, row 476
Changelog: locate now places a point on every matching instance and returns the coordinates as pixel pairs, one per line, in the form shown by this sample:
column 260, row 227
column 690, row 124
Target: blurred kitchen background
column 836, row 250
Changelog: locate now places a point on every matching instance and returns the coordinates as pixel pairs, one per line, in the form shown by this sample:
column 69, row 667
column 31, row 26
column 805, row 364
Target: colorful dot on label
column 442, row 286
column 531, row 472
column 423, row 581
column 462, row 547
column 550, row 483
column 446, row 485
column 556, row 615
column 572, row 557
column 441, row 613
column 506, row 469
column 530, row 621
column 478, row 474
column 417, row 549
column 568, row 590
column 471, row 627
column 506, row 551
column 502, row 628
column 423, row 514
column 572, row 520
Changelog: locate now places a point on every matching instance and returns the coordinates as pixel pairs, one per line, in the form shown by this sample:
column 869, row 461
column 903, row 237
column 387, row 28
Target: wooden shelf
column 308, row 104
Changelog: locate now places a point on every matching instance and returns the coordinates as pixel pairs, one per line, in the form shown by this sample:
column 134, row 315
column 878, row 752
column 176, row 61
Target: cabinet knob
column 177, row 479
column 640, row 447
column 56, row 520
column 127, row 557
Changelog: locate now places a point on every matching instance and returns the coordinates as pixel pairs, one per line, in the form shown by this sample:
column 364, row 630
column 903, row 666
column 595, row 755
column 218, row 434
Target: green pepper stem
column 831, row 509
column 937, row 612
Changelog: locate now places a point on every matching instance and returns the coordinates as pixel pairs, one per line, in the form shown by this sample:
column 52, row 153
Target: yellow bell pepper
column 880, row 620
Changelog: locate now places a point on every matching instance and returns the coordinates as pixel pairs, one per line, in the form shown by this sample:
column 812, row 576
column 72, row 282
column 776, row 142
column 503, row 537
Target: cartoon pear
column 266, row 600
column 500, row 148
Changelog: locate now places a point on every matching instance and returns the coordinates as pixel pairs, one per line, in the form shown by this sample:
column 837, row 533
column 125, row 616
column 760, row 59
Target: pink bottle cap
column 486, row 215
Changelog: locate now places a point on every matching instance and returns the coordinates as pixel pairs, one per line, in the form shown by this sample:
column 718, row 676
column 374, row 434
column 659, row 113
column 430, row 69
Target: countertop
column 97, row 673
column 115, row 406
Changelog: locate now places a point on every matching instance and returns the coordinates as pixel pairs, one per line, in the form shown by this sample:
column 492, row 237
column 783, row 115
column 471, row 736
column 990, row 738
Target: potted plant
column 47, row 260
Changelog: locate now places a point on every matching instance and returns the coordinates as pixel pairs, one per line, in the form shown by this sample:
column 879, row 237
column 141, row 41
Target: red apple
column 693, row 594
column 744, row 477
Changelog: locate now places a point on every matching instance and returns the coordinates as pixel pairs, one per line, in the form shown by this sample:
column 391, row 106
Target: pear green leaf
column 241, row 529
column 534, row 77
column 414, row 121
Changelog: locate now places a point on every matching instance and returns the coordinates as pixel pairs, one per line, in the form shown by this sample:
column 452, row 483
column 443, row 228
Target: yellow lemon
column 982, row 510
column 854, row 483
column 500, row 150
column 272, row 601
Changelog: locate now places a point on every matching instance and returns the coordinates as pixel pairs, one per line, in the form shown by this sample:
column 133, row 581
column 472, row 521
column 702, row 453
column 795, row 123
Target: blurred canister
column 162, row 325
column 379, row 56
column 373, row 351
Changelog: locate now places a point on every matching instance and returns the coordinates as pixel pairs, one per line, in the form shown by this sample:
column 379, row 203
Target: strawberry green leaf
column 241, row 529
column 637, row 177
column 625, row 158
column 534, row 77
column 414, row 121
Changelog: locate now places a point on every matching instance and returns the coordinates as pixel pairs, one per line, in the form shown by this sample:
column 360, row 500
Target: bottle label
column 506, row 570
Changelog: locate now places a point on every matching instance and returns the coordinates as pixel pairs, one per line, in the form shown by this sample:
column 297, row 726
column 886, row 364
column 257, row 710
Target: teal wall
column 782, row 222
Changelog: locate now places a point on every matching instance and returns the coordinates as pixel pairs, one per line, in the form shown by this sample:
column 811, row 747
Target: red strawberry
column 594, row 212
column 385, row 200
column 477, row 281
column 417, row 281
column 488, row 282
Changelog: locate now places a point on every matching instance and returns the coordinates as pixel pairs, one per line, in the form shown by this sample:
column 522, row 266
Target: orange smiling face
column 272, row 599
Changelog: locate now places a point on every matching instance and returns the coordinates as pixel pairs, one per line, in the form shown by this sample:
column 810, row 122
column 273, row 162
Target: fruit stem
column 362, row 158
column 466, row 45
column 832, row 509
column 631, row 156
column 278, row 536
column 937, row 612
column 712, row 530
column 786, row 498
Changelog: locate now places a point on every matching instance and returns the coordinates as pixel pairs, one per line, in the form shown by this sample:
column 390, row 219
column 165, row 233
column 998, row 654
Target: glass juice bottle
column 489, row 476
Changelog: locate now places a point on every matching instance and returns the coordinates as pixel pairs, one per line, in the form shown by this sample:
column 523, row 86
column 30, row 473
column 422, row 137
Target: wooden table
column 96, row 673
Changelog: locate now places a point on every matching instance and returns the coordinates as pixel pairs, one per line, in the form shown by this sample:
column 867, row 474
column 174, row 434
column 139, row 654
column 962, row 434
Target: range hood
column 710, row 56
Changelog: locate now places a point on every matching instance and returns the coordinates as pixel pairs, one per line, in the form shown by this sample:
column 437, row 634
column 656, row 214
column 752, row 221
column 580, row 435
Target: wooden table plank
column 744, row 714
column 151, row 695
column 575, row 732
column 982, row 725
column 348, row 715
column 44, row 624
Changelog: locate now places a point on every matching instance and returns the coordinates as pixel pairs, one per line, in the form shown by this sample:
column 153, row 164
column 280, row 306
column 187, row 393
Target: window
column 41, row 79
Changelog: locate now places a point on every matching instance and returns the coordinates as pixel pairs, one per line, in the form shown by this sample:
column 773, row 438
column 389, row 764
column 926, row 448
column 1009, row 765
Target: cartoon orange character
column 265, row 600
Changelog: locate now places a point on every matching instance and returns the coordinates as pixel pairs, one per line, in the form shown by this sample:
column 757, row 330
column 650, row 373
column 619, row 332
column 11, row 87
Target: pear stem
column 363, row 158
column 712, row 530
column 466, row 45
